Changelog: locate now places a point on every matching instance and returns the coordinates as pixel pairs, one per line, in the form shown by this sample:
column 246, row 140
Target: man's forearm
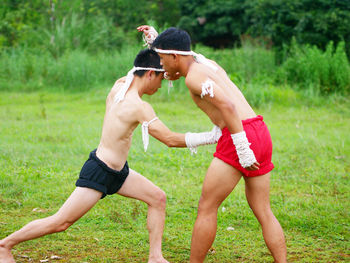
column 231, row 118
column 175, row 140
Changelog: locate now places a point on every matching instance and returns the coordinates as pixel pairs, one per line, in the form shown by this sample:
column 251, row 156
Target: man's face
column 155, row 83
column 169, row 63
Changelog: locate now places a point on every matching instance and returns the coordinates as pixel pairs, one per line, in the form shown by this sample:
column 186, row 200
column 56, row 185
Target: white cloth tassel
column 121, row 93
column 145, row 135
column 203, row 60
column 208, row 88
column 129, row 78
column 170, row 85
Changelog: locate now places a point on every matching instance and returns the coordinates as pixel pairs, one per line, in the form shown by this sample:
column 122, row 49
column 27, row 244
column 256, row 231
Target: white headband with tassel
column 129, row 78
column 198, row 57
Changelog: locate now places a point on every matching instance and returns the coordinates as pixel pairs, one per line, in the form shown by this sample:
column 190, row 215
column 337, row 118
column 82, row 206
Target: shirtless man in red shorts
column 244, row 149
column 106, row 172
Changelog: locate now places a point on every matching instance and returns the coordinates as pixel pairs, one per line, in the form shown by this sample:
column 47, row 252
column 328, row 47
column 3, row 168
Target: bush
column 310, row 68
column 77, row 70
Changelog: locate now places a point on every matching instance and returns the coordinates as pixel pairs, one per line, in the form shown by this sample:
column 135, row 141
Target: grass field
column 46, row 137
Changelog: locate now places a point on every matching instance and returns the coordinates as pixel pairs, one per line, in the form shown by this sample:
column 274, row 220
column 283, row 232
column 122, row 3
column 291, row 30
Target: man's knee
column 159, row 199
column 60, row 224
column 207, row 206
column 264, row 215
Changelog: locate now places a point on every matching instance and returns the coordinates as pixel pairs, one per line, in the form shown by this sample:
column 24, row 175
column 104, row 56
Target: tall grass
column 306, row 71
column 247, row 64
column 73, row 31
column 76, row 70
column 310, row 68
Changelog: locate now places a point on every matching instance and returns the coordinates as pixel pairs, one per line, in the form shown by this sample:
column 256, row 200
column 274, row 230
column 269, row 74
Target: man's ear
column 149, row 74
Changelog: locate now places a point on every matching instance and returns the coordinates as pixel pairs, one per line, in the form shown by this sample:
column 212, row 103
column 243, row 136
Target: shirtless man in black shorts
column 106, row 172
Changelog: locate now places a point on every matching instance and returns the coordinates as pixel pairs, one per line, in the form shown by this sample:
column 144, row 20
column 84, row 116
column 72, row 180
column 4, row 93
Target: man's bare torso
column 230, row 90
column 119, row 123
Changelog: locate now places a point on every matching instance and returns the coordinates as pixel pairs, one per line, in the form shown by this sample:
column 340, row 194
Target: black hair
column 173, row 38
column 147, row 58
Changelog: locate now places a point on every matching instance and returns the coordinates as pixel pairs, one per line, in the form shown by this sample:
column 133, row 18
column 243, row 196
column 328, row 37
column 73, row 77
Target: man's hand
column 144, row 28
column 149, row 34
column 175, row 76
column 253, row 167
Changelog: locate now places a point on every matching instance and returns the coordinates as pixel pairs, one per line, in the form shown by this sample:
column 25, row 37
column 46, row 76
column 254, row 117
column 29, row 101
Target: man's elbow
column 228, row 106
column 170, row 141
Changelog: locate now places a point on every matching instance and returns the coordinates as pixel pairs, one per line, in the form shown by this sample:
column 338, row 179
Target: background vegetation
column 77, row 45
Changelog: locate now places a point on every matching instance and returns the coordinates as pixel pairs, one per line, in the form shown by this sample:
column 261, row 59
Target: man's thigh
column 258, row 192
column 79, row 203
column 139, row 187
column 220, row 180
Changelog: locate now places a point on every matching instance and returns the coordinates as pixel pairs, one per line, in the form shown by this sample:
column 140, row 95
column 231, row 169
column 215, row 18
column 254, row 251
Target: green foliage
column 216, row 23
column 314, row 22
column 250, row 67
column 94, row 24
column 91, row 33
column 308, row 67
column 91, row 24
column 221, row 23
column 23, row 69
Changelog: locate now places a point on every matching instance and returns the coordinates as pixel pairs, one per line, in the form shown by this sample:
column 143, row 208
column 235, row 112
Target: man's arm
column 159, row 130
column 152, row 125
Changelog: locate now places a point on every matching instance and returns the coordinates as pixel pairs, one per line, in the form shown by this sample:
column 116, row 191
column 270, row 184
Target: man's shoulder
column 145, row 106
column 118, row 83
column 195, row 76
column 138, row 106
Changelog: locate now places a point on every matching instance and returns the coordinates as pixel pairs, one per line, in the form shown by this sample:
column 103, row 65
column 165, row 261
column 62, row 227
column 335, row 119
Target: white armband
column 196, row 139
column 145, row 136
column 245, row 154
column 208, row 88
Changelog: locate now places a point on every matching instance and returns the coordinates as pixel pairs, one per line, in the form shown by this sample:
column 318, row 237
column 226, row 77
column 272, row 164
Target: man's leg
column 257, row 192
column 219, row 182
column 79, row 202
column 138, row 187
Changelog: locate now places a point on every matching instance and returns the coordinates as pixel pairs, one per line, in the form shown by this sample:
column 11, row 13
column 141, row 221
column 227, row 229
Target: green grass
column 46, row 137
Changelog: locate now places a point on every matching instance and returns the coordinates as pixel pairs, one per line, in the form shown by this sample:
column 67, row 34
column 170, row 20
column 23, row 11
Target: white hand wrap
column 245, row 154
column 151, row 36
column 196, row 139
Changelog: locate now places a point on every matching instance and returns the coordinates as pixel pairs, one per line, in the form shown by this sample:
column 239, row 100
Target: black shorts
column 95, row 174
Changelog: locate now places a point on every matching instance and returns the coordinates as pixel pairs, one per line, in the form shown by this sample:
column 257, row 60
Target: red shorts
column 261, row 144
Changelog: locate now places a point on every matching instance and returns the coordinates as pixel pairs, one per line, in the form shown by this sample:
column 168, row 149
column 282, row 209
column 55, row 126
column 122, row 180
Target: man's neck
column 137, row 85
column 186, row 63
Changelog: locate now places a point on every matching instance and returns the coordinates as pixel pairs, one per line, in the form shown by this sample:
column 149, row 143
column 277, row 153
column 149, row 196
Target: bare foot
column 5, row 255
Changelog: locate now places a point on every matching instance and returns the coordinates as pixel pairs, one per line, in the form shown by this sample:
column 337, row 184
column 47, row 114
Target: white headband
column 179, row 52
column 129, row 78
column 198, row 57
